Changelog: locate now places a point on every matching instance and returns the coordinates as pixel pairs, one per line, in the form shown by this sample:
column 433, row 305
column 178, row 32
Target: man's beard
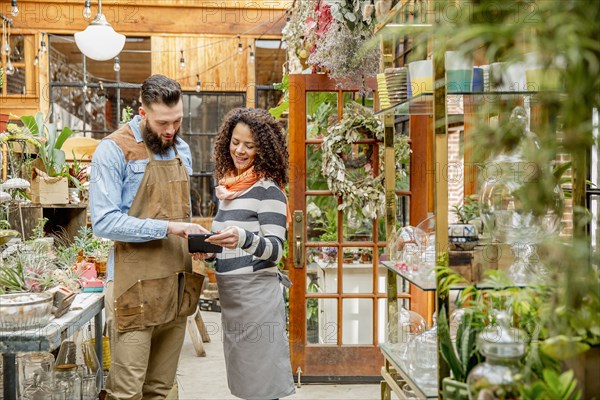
column 154, row 141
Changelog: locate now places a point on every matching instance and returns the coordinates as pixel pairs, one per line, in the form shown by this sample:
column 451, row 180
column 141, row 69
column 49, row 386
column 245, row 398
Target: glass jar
column 513, row 207
column 35, row 372
column 423, row 358
column 68, row 380
column 500, row 375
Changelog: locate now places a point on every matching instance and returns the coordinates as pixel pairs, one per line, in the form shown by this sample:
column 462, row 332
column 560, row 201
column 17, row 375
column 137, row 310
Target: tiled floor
column 203, row 378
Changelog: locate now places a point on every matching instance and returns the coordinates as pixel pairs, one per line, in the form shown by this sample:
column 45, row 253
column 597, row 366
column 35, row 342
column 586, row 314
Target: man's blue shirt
column 114, row 183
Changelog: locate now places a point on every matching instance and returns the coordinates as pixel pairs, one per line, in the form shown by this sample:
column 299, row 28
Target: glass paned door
column 335, row 301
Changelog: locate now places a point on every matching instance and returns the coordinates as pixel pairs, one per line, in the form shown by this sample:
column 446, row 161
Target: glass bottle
column 499, row 376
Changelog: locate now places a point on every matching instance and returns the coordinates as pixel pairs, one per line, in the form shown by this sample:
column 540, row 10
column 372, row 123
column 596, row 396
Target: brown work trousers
column 143, row 363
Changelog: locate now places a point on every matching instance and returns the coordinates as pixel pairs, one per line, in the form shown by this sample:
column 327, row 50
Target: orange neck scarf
column 231, row 186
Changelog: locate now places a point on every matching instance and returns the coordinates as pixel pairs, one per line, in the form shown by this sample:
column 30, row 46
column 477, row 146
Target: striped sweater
column 260, row 215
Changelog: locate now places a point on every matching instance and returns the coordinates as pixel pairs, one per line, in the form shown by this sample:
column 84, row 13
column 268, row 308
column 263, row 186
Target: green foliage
column 38, row 229
column 91, row 245
column 284, row 105
column 126, row 114
column 49, row 142
column 553, row 386
column 464, row 357
column 468, row 210
column 26, row 270
column 330, row 234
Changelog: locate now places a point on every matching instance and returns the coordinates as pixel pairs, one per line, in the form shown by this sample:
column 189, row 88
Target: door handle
column 298, row 235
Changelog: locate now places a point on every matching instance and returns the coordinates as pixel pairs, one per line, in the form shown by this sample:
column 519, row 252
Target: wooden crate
column 472, row 264
column 48, row 191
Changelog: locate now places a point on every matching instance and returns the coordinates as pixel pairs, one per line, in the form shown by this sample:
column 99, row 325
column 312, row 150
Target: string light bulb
column 10, row 69
column 182, row 61
column 6, row 47
column 198, row 87
column 14, row 10
column 43, row 48
column 36, row 60
column 251, row 58
column 87, row 10
column 240, row 45
column 117, row 65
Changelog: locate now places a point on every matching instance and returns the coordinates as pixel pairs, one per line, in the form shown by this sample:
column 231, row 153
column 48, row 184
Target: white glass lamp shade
column 99, row 41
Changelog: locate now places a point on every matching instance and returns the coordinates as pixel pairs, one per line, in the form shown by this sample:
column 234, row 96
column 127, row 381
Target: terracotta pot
column 3, row 122
column 211, row 276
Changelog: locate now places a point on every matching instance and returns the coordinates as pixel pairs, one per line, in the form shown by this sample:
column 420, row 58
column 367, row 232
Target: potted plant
column 464, row 234
column 49, row 186
column 24, row 277
column 76, row 174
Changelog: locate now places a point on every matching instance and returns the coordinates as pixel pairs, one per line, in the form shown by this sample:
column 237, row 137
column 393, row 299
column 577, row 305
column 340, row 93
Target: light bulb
column 87, row 11
column 117, row 65
column 240, row 48
column 251, row 59
column 36, row 60
column 198, row 88
column 43, row 48
column 10, row 69
column 6, row 48
column 182, row 62
column 14, row 10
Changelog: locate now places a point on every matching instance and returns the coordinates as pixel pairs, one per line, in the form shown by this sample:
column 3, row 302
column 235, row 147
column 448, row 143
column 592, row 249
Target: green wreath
column 367, row 194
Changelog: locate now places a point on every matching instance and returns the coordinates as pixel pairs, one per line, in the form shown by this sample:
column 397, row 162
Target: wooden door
column 338, row 301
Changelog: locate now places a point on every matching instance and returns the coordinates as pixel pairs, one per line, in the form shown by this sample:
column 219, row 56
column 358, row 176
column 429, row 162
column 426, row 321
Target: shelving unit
column 440, row 109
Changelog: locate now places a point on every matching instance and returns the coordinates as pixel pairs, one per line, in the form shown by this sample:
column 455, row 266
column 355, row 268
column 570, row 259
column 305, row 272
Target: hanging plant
column 333, row 35
column 365, row 194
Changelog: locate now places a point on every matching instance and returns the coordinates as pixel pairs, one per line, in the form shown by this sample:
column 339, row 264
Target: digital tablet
column 197, row 244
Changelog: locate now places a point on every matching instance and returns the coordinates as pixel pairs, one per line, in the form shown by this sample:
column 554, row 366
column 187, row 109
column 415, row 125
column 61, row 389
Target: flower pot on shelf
column 455, row 390
column 49, row 190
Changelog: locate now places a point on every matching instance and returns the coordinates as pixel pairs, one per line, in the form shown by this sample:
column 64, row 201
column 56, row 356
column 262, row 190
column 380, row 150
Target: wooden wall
column 172, row 25
column 202, row 54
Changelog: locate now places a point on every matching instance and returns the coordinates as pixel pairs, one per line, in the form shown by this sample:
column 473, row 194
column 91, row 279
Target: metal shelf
column 389, row 351
column 429, row 285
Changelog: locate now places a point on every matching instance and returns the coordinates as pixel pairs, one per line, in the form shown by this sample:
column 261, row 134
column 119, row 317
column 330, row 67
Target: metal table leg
column 10, row 375
column 98, row 335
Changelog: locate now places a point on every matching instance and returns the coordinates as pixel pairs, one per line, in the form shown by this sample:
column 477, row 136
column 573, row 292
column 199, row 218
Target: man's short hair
column 160, row 89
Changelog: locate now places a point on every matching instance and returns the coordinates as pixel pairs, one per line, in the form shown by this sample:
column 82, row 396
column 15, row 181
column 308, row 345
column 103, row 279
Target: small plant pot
column 455, row 390
column 211, row 276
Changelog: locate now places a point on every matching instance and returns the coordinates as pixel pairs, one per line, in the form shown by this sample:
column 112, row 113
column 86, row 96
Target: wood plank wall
column 202, row 53
column 172, row 24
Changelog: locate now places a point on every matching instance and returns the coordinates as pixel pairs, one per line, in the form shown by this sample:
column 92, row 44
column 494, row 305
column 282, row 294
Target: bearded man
column 140, row 199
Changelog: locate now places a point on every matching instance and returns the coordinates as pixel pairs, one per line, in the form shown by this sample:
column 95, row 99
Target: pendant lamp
column 99, row 41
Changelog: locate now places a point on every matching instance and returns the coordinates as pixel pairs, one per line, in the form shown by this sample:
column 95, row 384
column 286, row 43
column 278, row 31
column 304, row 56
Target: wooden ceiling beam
column 147, row 17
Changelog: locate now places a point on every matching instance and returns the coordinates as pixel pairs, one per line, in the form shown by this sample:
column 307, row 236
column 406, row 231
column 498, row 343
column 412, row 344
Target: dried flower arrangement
column 333, row 34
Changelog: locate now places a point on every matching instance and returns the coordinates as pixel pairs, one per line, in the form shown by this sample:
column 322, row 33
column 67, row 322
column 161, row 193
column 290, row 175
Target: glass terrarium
column 500, row 375
column 512, row 207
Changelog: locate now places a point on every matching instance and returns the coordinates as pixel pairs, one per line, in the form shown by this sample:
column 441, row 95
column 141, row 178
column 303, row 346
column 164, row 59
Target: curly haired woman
column 251, row 168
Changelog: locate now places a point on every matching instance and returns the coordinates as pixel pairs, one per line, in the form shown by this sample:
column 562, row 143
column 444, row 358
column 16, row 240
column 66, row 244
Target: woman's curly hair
column 271, row 161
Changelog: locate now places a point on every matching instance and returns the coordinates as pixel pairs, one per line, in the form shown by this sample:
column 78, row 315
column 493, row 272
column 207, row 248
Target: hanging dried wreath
column 366, row 193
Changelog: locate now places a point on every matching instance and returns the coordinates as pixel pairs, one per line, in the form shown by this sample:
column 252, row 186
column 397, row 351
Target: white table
column 85, row 307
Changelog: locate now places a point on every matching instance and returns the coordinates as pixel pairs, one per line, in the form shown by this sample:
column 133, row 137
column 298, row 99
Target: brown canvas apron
column 154, row 283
